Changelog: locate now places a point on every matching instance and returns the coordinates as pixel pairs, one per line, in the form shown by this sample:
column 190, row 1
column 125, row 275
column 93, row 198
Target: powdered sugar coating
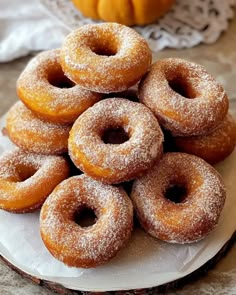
column 93, row 245
column 35, row 135
column 114, row 163
column 197, row 115
column 54, row 104
column 27, row 179
column 214, row 147
column 105, row 57
column 193, row 218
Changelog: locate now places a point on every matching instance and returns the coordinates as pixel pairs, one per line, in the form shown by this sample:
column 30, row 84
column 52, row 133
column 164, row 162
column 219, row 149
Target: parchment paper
column 19, row 235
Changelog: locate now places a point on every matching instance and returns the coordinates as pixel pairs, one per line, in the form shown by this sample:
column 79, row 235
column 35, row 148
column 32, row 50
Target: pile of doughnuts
column 78, row 105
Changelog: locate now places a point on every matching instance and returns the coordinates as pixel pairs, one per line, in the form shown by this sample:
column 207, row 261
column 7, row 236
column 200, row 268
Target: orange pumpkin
column 134, row 12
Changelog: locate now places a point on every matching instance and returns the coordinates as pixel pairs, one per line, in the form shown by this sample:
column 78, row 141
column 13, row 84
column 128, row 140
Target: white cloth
column 32, row 25
column 25, row 26
column 187, row 24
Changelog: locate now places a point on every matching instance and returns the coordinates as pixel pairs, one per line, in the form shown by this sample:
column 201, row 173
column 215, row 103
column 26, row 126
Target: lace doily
column 186, row 25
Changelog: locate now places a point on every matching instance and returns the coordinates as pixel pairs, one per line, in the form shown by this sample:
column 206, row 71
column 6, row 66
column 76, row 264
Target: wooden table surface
column 220, row 60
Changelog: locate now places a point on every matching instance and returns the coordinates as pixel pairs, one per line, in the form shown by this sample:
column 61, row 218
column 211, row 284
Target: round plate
column 159, row 289
column 143, row 263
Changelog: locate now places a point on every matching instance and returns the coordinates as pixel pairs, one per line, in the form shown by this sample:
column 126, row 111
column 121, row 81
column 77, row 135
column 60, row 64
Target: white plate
column 144, row 263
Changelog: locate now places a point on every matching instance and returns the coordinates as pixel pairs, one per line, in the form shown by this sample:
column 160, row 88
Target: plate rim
column 171, row 285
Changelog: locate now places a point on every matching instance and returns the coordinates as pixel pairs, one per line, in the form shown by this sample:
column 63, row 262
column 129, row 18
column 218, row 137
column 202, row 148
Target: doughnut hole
column 176, row 193
column 104, row 47
column 179, row 80
column 22, row 172
column 57, row 78
column 182, row 87
column 114, row 135
column 25, row 172
column 85, row 217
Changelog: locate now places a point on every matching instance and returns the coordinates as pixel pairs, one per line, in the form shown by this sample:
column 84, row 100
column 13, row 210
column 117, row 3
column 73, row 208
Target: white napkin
column 26, row 26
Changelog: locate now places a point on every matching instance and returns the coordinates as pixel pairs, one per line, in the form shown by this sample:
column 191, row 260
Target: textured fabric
column 25, row 26
column 186, row 25
column 32, row 25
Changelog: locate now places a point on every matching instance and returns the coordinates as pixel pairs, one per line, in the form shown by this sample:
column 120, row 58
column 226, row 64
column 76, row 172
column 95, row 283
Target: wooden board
column 155, row 290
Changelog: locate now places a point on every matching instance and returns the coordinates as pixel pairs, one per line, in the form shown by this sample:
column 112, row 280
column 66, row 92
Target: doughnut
column 110, row 162
column 214, row 147
column 85, row 246
column 47, row 92
column 27, row 179
column 105, row 57
column 184, row 97
column 180, row 199
column 34, row 135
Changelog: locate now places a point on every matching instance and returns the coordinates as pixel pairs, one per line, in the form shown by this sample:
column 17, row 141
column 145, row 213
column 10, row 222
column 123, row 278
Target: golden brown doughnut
column 184, row 97
column 34, row 135
column 27, row 179
column 214, row 147
column 47, row 92
column 196, row 212
column 115, row 163
column 105, row 57
column 88, row 246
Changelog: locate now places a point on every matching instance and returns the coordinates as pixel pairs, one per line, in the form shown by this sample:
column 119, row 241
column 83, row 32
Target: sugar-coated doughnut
column 105, row 57
column 88, row 246
column 214, row 147
column 27, row 179
column 198, row 209
column 34, row 135
column 184, row 97
column 44, row 89
column 115, row 163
